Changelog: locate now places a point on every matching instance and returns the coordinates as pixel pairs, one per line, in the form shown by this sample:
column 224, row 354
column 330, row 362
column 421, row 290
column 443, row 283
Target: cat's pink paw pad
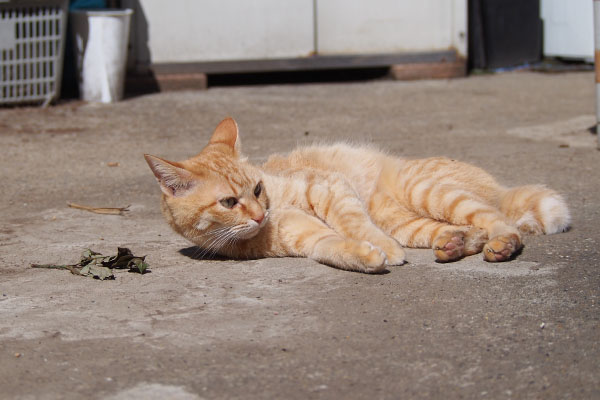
column 449, row 246
column 501, row 248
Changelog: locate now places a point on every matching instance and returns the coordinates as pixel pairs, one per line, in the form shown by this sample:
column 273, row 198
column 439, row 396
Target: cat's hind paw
column 501, row 248
column 452, row 245
column 449, row 246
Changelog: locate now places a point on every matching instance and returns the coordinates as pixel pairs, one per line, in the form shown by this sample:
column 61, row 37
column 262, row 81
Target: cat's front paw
column 394, row 253
column 372, row 258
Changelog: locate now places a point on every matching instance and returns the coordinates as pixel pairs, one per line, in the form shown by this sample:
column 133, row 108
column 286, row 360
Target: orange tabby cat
column 348, row 207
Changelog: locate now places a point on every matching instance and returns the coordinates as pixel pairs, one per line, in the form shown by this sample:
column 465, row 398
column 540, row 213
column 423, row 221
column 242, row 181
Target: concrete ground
column 292, row 328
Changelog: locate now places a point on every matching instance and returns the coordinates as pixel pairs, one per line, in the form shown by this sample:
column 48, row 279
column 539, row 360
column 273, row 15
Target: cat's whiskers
column 207, row 240
column 212, row 244
column 216, row 239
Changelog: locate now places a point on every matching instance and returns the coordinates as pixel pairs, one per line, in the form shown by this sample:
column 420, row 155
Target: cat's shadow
column 198, row 253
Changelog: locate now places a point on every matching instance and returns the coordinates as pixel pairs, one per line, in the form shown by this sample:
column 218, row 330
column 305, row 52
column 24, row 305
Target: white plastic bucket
column 100, row 40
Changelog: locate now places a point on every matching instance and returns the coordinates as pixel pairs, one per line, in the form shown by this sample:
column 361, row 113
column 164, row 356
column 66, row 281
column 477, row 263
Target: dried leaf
column 126, row 260
column 119, row 261
column 97, row 271
column 101, row 267
column 100, row 210
column 138, row 265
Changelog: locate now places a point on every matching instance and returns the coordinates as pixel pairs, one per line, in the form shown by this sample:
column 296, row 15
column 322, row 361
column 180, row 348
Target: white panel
column 209, row 30
column 389, row 26
column 459, row 32
column 568, row 28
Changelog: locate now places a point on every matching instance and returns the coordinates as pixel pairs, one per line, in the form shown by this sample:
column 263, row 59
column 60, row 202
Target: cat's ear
column 173, row 179
column 227, row 133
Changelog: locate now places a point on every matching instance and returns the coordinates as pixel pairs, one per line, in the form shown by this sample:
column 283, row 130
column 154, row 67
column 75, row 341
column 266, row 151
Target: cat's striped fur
column 349, row 207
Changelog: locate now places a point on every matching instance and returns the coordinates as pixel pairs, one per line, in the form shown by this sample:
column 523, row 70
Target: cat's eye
column 229, row 202
column 258, row 189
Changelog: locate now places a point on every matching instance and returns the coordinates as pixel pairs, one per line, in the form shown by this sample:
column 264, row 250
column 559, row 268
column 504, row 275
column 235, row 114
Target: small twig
column 100, row 210
column 73, row 268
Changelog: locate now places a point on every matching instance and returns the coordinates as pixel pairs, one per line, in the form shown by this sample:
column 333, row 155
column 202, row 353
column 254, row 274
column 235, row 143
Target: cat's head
column 214, row 198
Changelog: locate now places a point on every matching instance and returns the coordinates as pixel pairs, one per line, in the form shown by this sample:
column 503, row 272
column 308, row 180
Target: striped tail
column 535, row 209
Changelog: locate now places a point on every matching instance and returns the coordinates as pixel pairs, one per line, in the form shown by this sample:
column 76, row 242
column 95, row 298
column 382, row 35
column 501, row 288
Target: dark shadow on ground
column 593, row 129
column 198, row 253
column 296, row 77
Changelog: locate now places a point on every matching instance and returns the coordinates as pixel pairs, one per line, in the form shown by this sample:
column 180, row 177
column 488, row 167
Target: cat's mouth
column 252, row 228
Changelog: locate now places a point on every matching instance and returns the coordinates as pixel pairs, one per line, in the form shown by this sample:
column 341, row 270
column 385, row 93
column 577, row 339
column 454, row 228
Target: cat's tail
column 535, row 209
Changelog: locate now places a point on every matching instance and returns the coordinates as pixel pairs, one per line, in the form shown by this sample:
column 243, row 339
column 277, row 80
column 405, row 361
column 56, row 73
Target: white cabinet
column 390, row 26
column 568, row 28
column 188, row 31
column 211, row 30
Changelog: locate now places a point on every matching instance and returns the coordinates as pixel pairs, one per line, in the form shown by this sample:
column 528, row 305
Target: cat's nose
column 259, row 219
